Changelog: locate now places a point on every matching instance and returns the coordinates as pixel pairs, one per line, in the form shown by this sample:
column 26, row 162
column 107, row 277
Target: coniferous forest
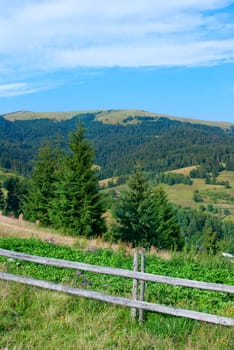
column 62, row 161
column 160, row 145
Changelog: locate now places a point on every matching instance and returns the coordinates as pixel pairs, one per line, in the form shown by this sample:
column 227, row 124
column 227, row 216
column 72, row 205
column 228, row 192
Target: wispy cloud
column 17, row 89
column 39, row 35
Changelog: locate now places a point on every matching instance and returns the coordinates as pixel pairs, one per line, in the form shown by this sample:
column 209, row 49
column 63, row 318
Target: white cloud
column 14, row 89
column 49, row 35
column 189, row 54
column 17, row 89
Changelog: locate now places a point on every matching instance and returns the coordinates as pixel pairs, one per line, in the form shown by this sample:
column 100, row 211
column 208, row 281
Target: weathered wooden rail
column 135, row 275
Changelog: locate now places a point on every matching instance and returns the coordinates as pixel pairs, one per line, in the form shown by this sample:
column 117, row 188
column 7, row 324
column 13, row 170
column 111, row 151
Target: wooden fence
column 135, row 275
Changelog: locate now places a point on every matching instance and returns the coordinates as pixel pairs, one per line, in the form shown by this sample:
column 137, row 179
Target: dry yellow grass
column 107, row 116
column 184, row 171
column 23, row 229
column 10, row 227
column 105, row 182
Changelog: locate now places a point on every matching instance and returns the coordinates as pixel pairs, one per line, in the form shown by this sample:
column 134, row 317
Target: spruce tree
column 40, row 186
column 145, row 217
column 132, row 211
column 212, row 234
column 77, row 207
column 165, row 232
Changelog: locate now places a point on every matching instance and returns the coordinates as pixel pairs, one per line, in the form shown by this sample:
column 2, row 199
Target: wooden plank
column 134, row 285
column 195, row 315
column 142, row 286
column 120, row 272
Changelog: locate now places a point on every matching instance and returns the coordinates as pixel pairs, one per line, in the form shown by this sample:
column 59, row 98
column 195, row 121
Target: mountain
column 121, row 138
column 108, row 116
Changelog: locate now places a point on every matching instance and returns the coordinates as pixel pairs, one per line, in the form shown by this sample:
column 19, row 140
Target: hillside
column 120, row 138
column 213, row 196
column 108, row 117
column 38, row 319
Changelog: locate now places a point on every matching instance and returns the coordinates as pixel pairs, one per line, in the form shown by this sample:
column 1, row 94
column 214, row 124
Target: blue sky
column 174, row 57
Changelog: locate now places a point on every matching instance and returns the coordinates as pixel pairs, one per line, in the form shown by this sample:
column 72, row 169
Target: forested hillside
column 50, row 194
column 159, row 143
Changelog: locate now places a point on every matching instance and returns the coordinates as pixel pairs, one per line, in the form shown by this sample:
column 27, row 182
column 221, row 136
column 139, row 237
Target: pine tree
column 209, row 240
column 212, row 234
column 145, row 217
column 77, row 207
column 132, row 212
column 166, row 232
column 40, row 186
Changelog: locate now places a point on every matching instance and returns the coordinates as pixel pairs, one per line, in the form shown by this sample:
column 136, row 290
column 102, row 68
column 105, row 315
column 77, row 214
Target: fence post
column 134, row 285
column 142, row 286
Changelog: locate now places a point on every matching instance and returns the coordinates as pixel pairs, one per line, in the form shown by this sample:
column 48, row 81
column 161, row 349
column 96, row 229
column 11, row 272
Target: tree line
column 63, row 192
column 160, row 145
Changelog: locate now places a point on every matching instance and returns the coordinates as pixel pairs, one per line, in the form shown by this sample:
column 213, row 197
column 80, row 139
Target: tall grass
column 37, row 320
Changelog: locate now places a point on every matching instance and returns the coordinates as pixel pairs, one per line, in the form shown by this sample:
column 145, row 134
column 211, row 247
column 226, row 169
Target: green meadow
column 218, row 196
column 31, row 318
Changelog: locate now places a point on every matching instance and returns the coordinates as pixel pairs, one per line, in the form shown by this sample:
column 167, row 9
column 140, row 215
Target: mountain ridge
column 109, row 116
column 121, row 139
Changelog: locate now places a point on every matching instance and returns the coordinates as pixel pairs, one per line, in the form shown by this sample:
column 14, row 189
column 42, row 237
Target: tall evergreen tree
column 145, row 217
column 77, row 207
column 40, row 186
column 132, row 211
column 166, row 232
column 212, row 234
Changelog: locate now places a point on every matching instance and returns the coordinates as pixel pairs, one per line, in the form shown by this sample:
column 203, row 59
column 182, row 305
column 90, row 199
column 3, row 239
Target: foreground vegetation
column 63, row 193
column 34, row 319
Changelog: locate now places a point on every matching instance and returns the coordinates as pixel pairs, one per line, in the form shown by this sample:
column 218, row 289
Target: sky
column 173, row 57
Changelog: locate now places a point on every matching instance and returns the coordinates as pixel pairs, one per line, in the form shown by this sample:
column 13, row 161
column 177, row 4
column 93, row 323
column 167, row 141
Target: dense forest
column 159, row 144
column 143, row 214
column 63, row 192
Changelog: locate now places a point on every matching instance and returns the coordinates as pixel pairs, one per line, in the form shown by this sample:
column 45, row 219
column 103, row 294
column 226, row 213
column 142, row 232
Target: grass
column 117, row 116
column 184, row 171
column 27, row 115
column 4, row 174
column 227, row 176
column 31, row 318
column 106, row 116
column 219, row 196
column 39, row 319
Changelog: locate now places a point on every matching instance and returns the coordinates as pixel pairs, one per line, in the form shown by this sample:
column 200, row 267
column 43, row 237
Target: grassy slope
column 212, row 194
column 181, row 194
column 39, row 320
column 27, row 115
column 106, row 116
column 4, row 174
column 31, row 318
